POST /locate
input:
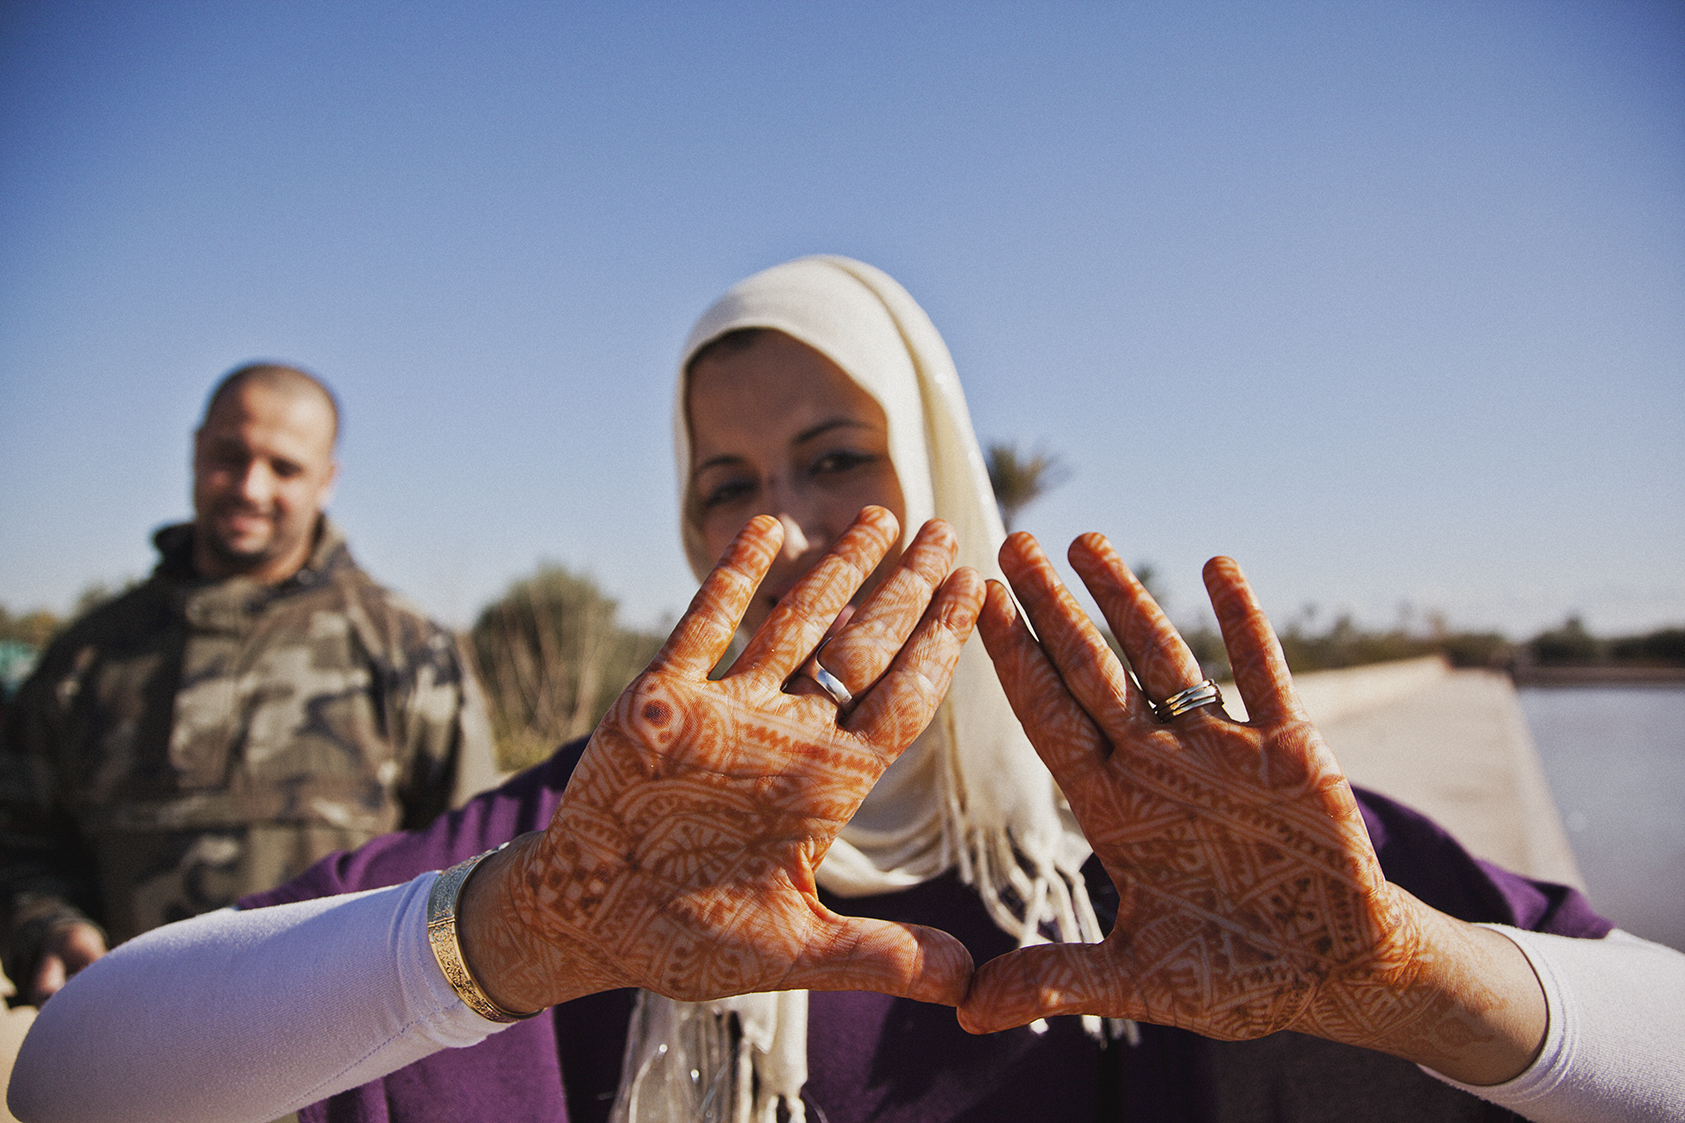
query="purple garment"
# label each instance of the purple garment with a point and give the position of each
(872, 1057)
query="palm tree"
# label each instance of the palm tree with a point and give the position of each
(1021, 480)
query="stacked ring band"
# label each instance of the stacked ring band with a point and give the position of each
(1202, 693)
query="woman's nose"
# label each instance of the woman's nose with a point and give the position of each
(796, 540)
(802, 519)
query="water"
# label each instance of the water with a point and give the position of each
(1615, 759)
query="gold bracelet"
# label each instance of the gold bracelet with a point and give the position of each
(441, 934)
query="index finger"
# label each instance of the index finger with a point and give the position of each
(1156, 650)
(1070, 744)
(1255, 655)
(1072, 642)
(703, 633)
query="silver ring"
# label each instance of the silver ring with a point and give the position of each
(830, 683)
(1202, 693)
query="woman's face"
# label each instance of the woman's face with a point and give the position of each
(779, 429)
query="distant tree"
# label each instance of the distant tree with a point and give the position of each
(1568, 645)
(1663, 648)
(552, 659)
(1476, 649)
(1020, 480)
(1206, 643)
(35, 628)
(1345, 644)
(97, 594)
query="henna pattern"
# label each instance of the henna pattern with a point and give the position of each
(681, 858)
(1251, 898)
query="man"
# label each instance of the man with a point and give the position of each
(257, 703)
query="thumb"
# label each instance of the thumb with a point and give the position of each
(1039, 982)
(905, 960)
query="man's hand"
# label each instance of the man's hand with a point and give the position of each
(66, 950)
(682, 856)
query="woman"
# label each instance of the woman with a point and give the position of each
(818, 385)
(806, 392)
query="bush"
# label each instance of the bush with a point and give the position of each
(1664, 648)
(552, 660)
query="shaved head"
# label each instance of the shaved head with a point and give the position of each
(278, 378)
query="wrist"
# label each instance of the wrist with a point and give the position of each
(502, 945)
(444, 940)
(1473, 1009)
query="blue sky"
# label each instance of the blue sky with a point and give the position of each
(1385, 300)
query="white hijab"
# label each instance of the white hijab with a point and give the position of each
(969, 795)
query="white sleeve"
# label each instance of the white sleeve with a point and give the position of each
(244, 1015)
(1615, 1047)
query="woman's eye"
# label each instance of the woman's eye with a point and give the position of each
(842, 460)
(731, 491)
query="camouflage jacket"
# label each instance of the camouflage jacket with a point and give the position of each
(196, 740)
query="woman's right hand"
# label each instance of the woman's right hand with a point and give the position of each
(1251, 900)
(682, 856)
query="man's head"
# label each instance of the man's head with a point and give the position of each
(263, 468)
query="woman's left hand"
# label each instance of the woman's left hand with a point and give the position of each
(1251, 900)
(682, 857)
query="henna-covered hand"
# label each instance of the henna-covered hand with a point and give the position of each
(682, 856)
(1251, 899)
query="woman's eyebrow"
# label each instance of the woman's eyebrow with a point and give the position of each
(720, 461)
(824, 427)
(727, 459)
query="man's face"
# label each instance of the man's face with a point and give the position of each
(263, 468)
